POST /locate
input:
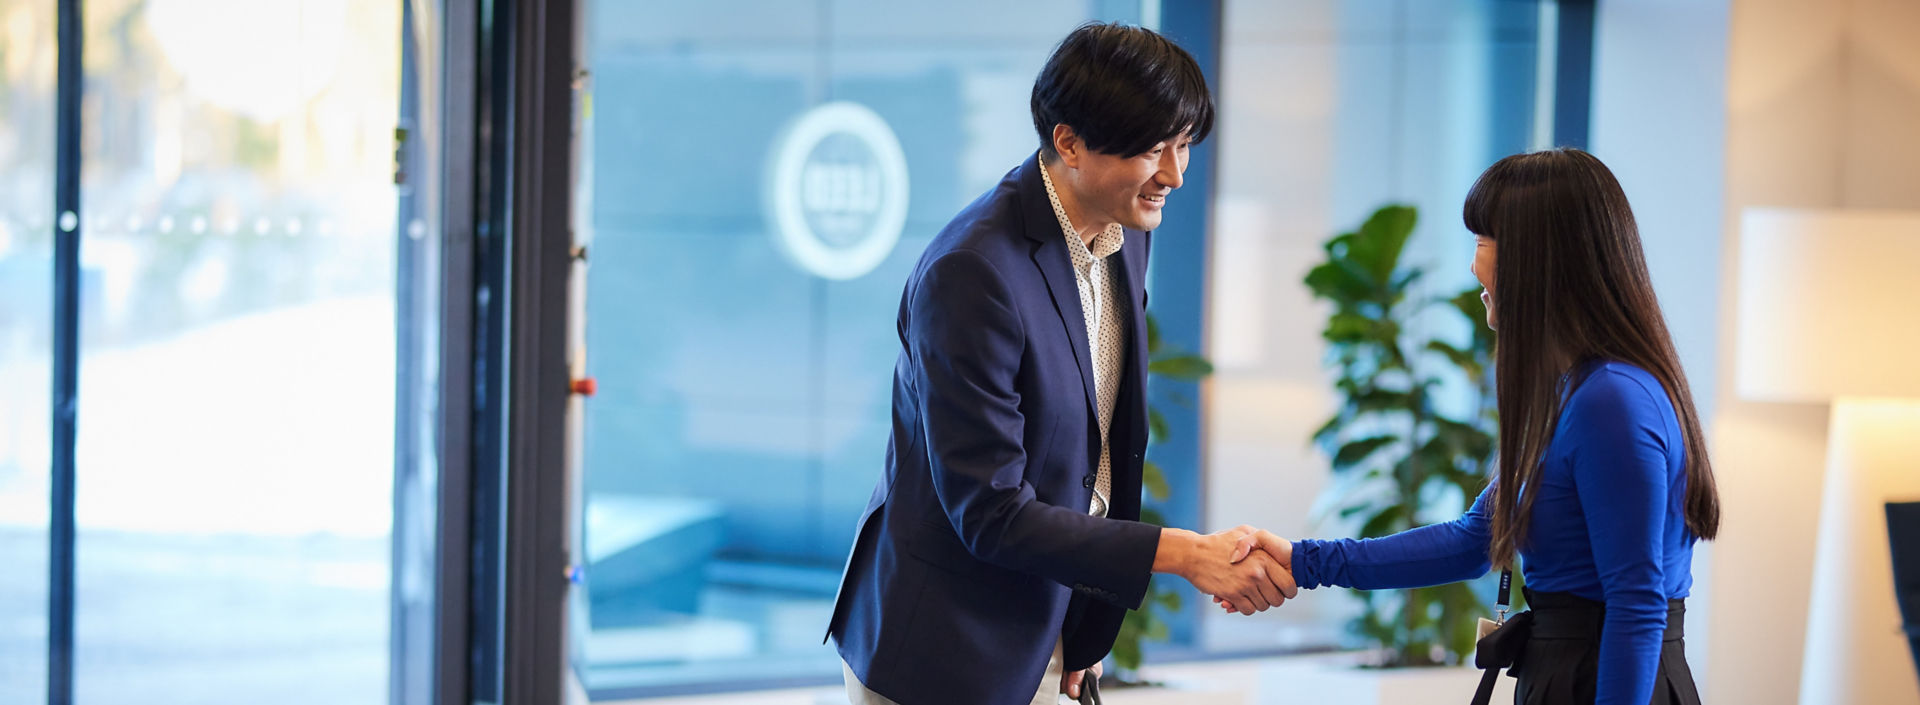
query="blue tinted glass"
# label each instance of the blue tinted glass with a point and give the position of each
(757, 179)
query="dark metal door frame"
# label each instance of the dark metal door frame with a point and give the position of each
(540, 242)
(511, 270)
(66, 354)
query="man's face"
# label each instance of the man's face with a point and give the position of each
(1132, 190)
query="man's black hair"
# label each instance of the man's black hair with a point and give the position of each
(1123, 89)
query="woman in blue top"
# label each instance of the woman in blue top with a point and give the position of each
(1604, 483)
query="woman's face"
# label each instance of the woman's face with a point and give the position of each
(1483, 264)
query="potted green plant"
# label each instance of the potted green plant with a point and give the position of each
(1397, 456)
(1392, 447)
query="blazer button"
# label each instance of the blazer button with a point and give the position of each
(1087, 482)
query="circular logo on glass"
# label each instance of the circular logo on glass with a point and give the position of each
(837, 190)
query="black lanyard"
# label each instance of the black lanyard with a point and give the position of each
(1506, 593)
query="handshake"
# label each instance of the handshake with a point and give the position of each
(1245, 570)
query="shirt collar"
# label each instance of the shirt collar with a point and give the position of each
(1105, 243)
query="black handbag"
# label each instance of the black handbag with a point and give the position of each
(1498, 650)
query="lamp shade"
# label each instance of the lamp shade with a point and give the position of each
(1829, 305)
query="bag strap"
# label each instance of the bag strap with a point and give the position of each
(1090, 691)
(1484, 694)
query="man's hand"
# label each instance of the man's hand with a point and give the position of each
(1070, 684)
(1251, 584)
(1260, 544)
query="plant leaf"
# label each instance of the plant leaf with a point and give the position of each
(1355, 451)
(1338, 284)
(1186, 368)
(1156, 425)
(1126, 646)
(1152, 516)
(1407, 278)
(1327, 431)
(1376, 400)
(1155, 482)
(1377, 293)
(1384, 523)
(1153, 335)
(1463, 440)
(1460, 358)
(1378, 244)
(1342, 493)
(1168, 599)
(1337, 245)
(1468, 303)
(1347, 327)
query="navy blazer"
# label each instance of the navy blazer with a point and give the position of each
(976, 551)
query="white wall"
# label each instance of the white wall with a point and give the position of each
(1814, 103)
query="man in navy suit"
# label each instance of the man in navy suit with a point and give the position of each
(1002, 545)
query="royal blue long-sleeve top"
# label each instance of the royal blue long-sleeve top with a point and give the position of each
(1608, 525)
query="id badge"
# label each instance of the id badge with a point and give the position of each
(1487, 626)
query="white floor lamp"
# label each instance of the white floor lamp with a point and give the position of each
(1830, 313)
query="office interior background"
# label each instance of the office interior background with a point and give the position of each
(497, 351)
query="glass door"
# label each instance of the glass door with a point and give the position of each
(236, 445)
(756, 180)
(27, 115)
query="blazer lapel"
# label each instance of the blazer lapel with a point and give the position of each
(1131, 417)
(1056, 267)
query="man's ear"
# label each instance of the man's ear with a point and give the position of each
(1069, 147)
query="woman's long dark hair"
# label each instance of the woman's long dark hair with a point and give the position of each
(1570, 286)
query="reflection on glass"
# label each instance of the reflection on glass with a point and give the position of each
(235, 453)
(27, 77)
(746, 169)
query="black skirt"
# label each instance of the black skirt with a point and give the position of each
(1560, 664)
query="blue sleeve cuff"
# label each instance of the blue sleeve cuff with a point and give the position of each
(1306, 563)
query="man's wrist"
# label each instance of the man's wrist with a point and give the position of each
(1176, 547)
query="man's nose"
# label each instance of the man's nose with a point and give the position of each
(1170, 170)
